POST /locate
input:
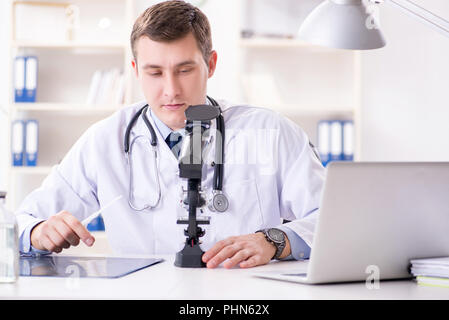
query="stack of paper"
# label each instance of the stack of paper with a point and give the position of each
(433, 271)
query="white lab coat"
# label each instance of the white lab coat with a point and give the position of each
(275, 176)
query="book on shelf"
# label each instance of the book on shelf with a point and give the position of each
(431, 271)
(107, 87)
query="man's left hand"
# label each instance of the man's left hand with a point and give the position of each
(248, 251)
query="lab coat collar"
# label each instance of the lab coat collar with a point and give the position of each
(162, 131)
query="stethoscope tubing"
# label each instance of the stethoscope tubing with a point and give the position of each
(219, 152)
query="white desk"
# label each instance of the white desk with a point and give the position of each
(165, 281)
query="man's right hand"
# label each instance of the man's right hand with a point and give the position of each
(60, 231)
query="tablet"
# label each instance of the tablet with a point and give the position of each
(83, 267)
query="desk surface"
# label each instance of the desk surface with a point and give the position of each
(165, 281)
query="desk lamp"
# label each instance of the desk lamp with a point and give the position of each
(351, 24)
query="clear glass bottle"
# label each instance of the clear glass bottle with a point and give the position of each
(9, 244)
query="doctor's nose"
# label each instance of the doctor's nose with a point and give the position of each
(172, 88)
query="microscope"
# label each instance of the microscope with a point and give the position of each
(198, 121)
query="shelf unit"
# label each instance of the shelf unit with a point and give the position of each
(277, 43)
(305, 82)
(40, 170)
(65, 69)
(66, 107)
(63, 45)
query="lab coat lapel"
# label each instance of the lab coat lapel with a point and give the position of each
(166, 235)
(162, 147)
(230, 133)
(167, 164)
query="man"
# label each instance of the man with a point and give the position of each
(173, 60)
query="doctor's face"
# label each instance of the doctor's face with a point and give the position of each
(173, 75)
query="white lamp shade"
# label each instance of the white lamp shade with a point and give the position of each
(342, 24)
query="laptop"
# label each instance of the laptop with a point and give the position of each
(374, 218)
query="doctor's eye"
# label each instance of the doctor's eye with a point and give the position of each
(155, 74)
(184, 71)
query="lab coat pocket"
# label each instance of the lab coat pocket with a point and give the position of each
(244, 214)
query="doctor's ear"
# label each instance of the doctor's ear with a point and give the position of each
(134, 65)
(212, 63)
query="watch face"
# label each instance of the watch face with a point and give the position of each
(276, 235)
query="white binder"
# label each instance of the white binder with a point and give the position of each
(17, 142)
(348, 140)
(336, 140)
(19, 79)
(324, 141)
(31, 142)
(30, 79)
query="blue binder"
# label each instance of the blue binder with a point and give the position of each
(19, 79)
(31, 142)
(348, 140)
(324, 141)
(17, 142)
(30, 78)
(336, 141)
(25, 78)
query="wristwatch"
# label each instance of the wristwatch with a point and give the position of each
(276, 237)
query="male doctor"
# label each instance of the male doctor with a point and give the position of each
(271, 172)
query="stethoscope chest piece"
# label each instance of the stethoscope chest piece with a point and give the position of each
(219, 202)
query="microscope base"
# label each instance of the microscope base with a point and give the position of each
(190, 257)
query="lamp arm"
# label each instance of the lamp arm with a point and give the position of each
(412, 9)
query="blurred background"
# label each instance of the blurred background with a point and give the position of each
(388, 104)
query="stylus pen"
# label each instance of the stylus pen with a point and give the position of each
(89, 219)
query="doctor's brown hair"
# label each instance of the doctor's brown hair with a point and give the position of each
(172, 20)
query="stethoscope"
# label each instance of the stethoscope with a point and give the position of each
(219, 201)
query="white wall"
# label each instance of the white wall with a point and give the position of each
(405, 99)
(224, 18)
(4, 66)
